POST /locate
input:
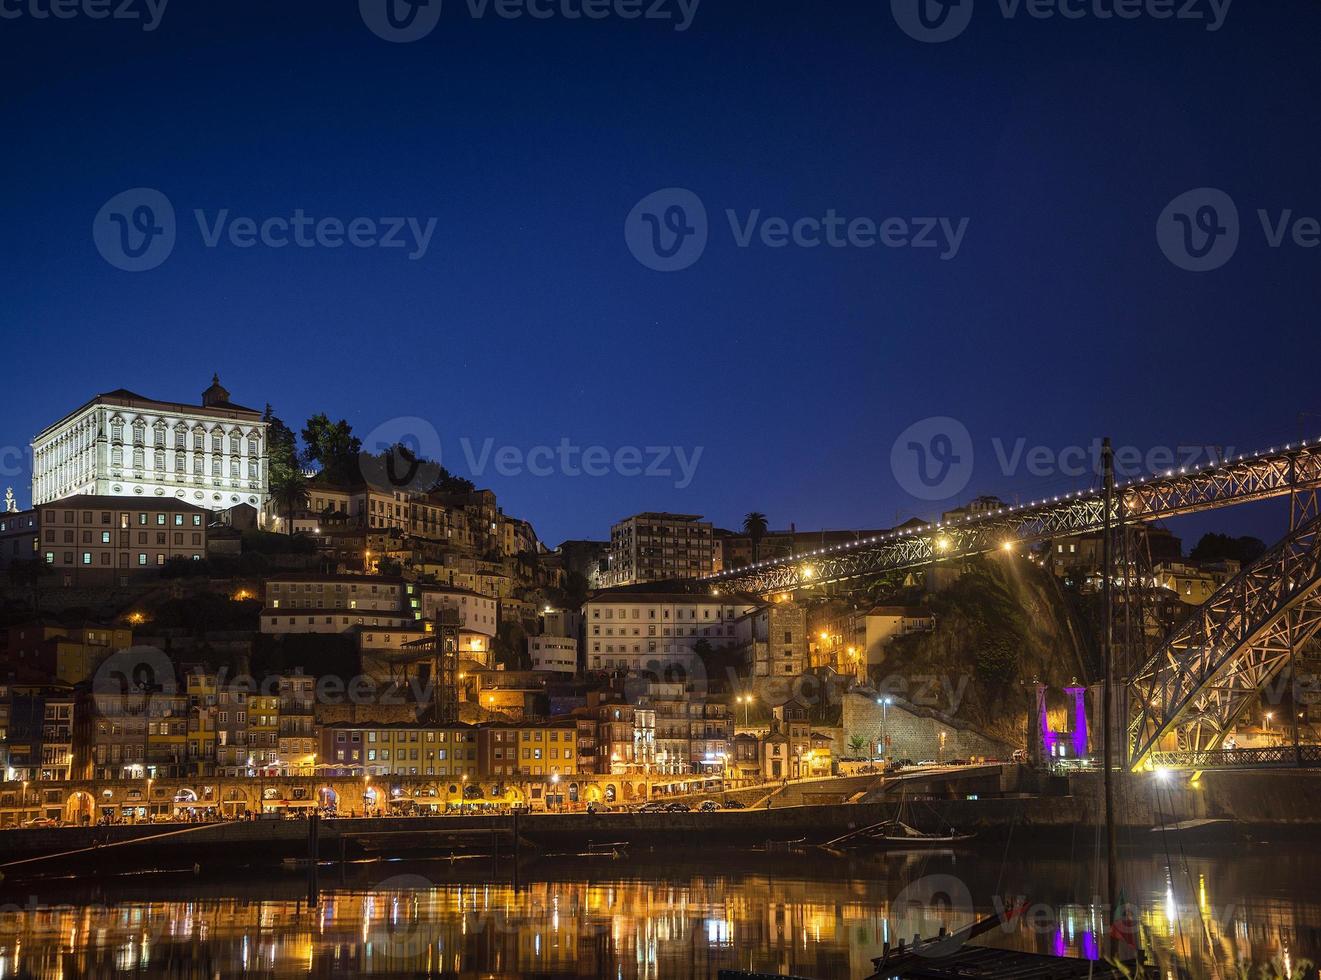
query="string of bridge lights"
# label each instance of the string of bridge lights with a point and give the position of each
(943, 543)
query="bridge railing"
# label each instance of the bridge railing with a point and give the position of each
(1272, 757)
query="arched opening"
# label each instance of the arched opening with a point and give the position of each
(610, 792)
(573, 792)
(327, 799)
(78, 809)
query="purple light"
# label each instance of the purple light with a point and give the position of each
(1079, 720)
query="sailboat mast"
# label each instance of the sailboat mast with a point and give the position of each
(1107, 649)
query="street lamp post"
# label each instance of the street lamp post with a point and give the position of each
(885, 725)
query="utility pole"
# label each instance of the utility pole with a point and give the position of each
(1107, 649)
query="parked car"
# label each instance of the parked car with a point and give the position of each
(709, 806)
(678, 808)
(656, 806)
(41, 822)
(733, 805)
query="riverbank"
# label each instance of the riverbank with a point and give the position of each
(1224, 807)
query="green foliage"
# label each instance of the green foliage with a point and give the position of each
(290, 492)
(1215, 547)
(980, 599)
(755, 526)
(282, 445)
(332, 445)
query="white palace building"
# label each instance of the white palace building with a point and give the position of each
(122, 444)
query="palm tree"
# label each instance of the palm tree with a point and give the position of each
(857, 743)
(289, 491)
(754, 526)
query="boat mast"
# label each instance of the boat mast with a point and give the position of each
(1107, 649)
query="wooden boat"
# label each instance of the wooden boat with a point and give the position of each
(896, 834)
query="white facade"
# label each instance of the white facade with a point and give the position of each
(477, 613)
(557, 653)
(120, 444)
(629, 631)
(337, 603)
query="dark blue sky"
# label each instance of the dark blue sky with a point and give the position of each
(528, 321)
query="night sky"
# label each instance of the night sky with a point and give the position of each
(528, 321)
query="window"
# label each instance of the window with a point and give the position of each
(142, 559)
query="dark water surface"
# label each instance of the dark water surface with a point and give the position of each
(653, 914)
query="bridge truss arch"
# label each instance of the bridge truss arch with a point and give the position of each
(1187, 696)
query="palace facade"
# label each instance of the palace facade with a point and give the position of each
(212, 455)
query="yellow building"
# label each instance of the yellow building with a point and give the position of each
(537, 750)
(67, 653)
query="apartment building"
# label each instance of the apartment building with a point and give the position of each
(124, 445)
(303, 603)
(99, 539)
(36, 732)
(656, 547)
(536, 750)
(632, 630)
(20, 536)
(135, 735)
(66, 653)
(779, 639)
(849, 642)
(553, 653)
(402, 749)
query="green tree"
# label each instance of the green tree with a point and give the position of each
(857, 743)
(332, 445)
(1215, 547)
(290, 493)
(754, 526)
(281, 443)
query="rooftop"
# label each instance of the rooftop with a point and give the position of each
(123, 398)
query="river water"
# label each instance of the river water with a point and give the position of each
(658, 914)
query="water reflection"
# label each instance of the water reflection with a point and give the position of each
(650, 915)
